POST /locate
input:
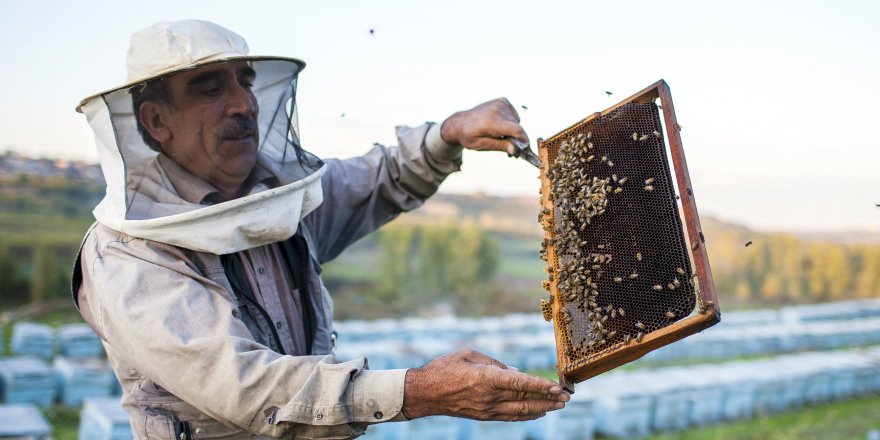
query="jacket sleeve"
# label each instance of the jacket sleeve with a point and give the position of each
(363, 193)
(161, 316)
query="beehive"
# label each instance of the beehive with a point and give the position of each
(625, 270)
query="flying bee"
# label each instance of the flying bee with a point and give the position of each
(657, 287)
(670, 315)
(649, 188)
(649, 181)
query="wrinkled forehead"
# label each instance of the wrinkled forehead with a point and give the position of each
(227, 71)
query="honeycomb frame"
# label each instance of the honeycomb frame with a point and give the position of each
(626, 274)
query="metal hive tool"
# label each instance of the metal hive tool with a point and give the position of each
(626, 276)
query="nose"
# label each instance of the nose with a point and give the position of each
(241, 101)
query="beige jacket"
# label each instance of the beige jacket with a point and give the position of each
(188, 360)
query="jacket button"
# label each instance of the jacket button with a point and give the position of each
(319, 416)
(378, 415)
(262, 270)
(278, 325)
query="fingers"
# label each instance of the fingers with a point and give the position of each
(515, 381)
(525, 410)
(508, 395)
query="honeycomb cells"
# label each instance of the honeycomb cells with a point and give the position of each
(620, 258)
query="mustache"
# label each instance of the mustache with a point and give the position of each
(240, 126)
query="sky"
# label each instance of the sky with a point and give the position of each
(778, 100)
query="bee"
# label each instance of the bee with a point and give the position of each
(680, 271)
(639, 256)
(639, 325)
(670, 286)
(604, 318)
(590, 157)
(614, 177)
(635, 136)
(572, 296)
(656, 133)
(610, 163)
(604, 158)
(657, 287)
(621, 312)
(589, 134)
(611, 334)
(547, 309)
(633, 276)
(670, 315)
(613, 313)
(649, 181)
(649, 188)
(643, 137)
(618, 279)
(639, 337)
(676, 282)
(590, 145)
(626, 339)
(623, 180)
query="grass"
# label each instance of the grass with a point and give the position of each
(851, 419)
(64, 421)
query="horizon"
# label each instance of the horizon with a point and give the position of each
(774, 98)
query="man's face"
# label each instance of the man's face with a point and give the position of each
(212, 124)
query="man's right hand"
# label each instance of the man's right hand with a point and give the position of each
(472, 385)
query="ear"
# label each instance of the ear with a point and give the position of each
(152, 118)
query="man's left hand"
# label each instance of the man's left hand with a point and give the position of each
(485, 127)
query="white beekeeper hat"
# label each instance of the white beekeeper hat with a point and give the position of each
(166, 48)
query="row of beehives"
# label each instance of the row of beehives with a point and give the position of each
(72, 340)
(30, 379)
(537, 351)
(452, 328)
(630, 404)
(102, 418)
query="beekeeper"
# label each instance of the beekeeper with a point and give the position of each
(202, 273)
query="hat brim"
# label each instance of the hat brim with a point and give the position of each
(300, 65)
